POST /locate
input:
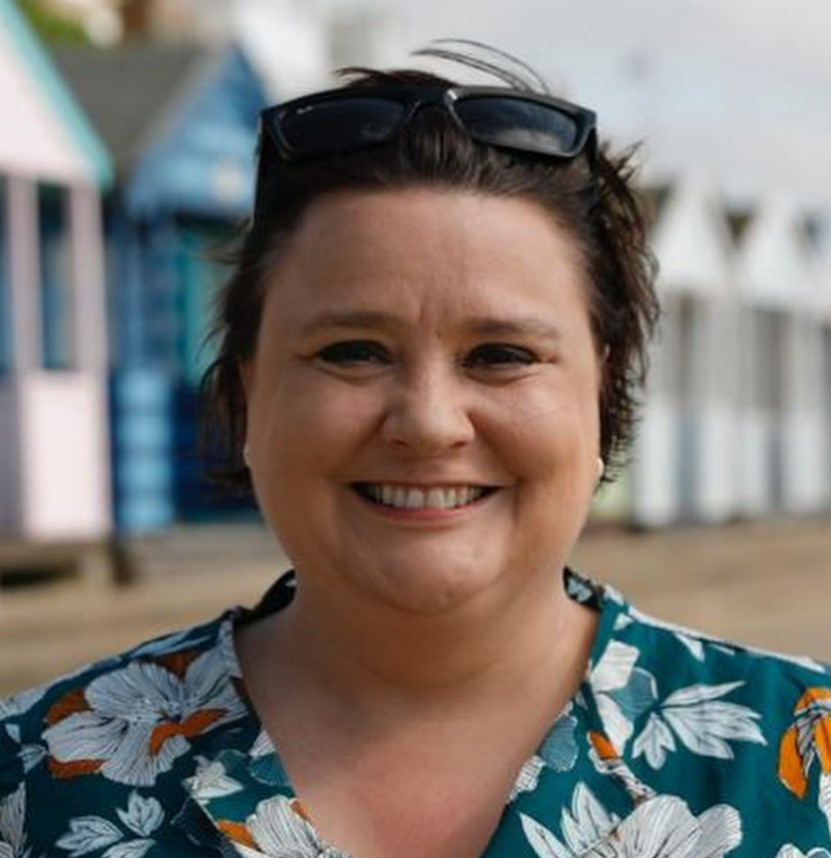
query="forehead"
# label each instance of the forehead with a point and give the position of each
(400, 250)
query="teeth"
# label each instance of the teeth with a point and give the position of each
(415, 499)
(436, 498)
(403, 497)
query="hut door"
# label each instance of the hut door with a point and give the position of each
(770, 358)
(686, 389)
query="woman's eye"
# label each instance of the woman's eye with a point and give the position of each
(356, 352)
(499, 355)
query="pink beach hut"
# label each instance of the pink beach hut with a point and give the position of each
(54, 472)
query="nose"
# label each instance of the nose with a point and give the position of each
(428, 413)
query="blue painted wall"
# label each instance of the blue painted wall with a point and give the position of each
(202, 162)
(190, 187)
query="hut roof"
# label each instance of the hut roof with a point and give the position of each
(43, 130)
(777, 265)
(128, 90)
(691, 240)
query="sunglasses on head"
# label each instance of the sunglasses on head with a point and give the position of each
(345, 120)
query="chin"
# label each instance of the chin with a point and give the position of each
(430, 588)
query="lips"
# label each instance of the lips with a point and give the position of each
(422, 497)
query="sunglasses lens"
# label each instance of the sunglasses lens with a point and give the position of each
(519, 124)
(340, 124)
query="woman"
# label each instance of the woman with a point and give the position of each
(428, 355)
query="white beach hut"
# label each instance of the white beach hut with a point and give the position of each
(784, 464)
(684, 456)
(54, 476)
(825, 316)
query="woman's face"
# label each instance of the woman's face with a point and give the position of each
(423, 399)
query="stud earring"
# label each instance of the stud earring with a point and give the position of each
(601, 469)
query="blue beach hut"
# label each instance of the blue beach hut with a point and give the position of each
(180, 123)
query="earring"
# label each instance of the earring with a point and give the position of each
(246, 456)
(601, 469)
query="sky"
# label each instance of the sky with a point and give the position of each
(736, 91)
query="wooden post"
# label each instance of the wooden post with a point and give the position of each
(24, 275)
(89, 320)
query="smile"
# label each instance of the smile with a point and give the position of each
(426, 497)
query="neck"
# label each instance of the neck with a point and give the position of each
(376, 660)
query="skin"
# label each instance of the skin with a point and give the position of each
(420, 337)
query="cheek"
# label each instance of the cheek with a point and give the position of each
(309, 425)
(550, 427)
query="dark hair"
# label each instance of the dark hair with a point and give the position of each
(597, 206)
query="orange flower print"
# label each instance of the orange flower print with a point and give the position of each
(807, 740)
(133, 723)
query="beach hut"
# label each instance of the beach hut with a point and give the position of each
(784, 456)
(54, 471)
(823, 301)
(180, 124)
(683, 463)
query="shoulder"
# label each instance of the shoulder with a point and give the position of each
(116, 732)
(35, 710)
(715, 720)
(681, 655)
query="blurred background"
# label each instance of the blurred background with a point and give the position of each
(127, 132)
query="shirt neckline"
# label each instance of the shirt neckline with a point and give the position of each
(582, 706)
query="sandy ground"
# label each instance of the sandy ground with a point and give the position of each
(767, 584)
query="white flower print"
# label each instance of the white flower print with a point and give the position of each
(622, 691)
(134, 723)
(20, 703)
(262, 745)
(612, 673)
(664, 827)
(661, 827)
(791, 851)
(824, 797)
(12, 824)
(559, 749)
(211, 781)
(87, 834)
(583, 825)
(143, 815)
(702, 722)
(528, 777)
(279, 829)
(30, 755)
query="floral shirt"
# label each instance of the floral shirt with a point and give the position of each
(676, 745)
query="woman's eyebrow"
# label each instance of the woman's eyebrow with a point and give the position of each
(497, 326)
(351, 319)
(490, 326)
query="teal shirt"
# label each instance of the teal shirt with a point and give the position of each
(676, 745)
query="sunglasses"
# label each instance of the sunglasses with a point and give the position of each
(340, 121)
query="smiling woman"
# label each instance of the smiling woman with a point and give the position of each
(430, 350)
(381, 387)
